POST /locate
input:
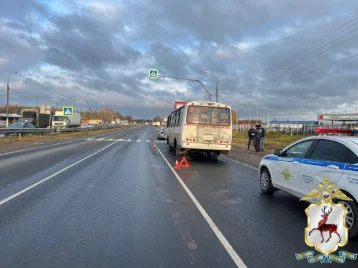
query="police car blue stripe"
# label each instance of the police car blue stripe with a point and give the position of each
(311, 162)
(271, 157)
(321, 163)
(351, 167)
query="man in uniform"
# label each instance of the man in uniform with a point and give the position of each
(262, 138)
(251, 134)
(258, 133)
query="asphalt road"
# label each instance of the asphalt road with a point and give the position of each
(116, 203)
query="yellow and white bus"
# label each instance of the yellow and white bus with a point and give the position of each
(200, 126)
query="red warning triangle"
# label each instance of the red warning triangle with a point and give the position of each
(184, 163)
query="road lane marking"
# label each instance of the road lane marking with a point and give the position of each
(120, 140)
(138, 140)
(238, 261)
(33, 148)
(89, 139)
(109, 139)
(99, 139)
(65, 142)
(241, 163)
(147, 140)
(129, 140)
(53, 175)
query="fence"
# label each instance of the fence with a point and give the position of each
(290, 129)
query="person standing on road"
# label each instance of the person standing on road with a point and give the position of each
(257, 138)
(251, 134)
(262, 138)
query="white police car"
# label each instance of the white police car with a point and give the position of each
(298, 168)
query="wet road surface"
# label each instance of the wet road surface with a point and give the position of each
(116, 203)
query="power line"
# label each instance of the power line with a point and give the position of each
(315, 70)
(310, 47)
(320, 40)
(308, 59)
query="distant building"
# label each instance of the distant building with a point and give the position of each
(12, 118)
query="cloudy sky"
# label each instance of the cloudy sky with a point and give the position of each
(94, 53)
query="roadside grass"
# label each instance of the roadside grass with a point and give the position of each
(273, 140)
(61, 136)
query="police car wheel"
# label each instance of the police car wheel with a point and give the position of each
(351, 218)
(265, 182)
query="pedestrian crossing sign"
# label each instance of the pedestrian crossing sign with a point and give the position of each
(153, 74)
(67, 110)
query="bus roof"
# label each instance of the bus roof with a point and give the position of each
(210, 103)
(201, 102)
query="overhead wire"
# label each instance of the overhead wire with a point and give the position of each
(308, 59)
(320, 40)
(242, 83)
(315, 70)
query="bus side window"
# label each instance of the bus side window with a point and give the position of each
(178, 115)
(168, 121)
(181, 116)
(173, 119)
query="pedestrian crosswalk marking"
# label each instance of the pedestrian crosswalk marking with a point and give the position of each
(125, 140)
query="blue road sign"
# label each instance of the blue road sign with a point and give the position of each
(153, 73)
(67, 110)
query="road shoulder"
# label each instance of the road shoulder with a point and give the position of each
(248, 157)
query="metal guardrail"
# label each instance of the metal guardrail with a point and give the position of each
(53, 131)
(25, 130)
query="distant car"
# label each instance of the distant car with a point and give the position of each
(19, 125)
(162, 135)
(298, 168)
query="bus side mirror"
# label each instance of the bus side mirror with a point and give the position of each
(277, 152)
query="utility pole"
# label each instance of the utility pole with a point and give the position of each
(237, 121)
(7, 99)
(268, 119)
(249, 111)
(357, 98)
(257, 113)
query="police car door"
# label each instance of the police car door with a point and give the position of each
(325, 161)
(287, 167)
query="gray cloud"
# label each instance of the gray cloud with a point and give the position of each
(99, 53)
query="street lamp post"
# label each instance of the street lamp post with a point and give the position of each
(188, 79)
(7, 99)
(217, 85)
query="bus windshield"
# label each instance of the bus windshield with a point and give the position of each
(208, 115)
